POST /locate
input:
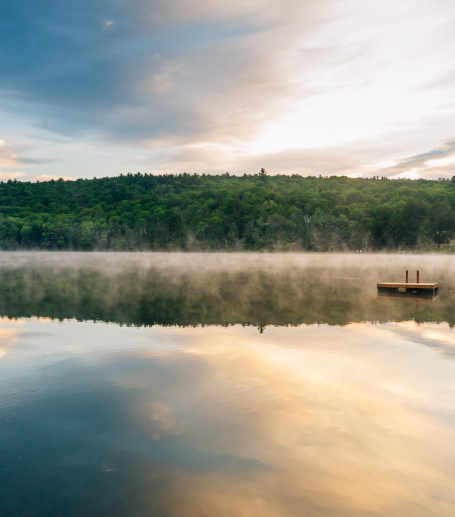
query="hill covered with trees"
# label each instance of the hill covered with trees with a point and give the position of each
(252, 212)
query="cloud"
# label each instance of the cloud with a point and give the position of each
(436, 163)
(8, 157)
(48, 177)
(140, 71)
(5, 175)
(358, 159)
(306, 162)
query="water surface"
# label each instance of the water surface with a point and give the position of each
(224, 385)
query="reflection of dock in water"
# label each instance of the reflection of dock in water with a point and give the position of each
(418, 290)
(424, 298)
(406, 298)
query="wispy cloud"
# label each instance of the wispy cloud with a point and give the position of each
(7, 156)
(436, 163)
(10, 175)
(12, 158)
(48, 177)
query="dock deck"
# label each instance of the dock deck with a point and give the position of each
(408, 285)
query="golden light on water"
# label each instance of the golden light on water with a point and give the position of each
(315, 419)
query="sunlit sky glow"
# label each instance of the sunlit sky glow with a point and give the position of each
(103, 87)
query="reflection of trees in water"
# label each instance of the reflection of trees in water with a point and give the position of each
(165, 295)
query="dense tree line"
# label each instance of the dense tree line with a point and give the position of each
(252, 212)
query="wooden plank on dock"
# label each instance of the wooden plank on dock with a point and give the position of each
(409, 285)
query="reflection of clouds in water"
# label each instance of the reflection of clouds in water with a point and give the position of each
(438, 336)
(8, 334)
(314, 420)
(336, 427)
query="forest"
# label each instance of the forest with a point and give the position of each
(254, 212)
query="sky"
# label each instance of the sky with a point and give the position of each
(98, 88)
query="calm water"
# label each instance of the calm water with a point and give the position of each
(225, 385)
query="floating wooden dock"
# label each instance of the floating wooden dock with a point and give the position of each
(409, 287)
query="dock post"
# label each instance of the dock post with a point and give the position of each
(417, 276)
(407, 276)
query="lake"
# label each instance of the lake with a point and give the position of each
(268, 385)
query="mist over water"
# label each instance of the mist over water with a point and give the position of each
(220, 289)
(225, 384)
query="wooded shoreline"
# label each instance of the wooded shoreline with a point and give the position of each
(222, 212)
